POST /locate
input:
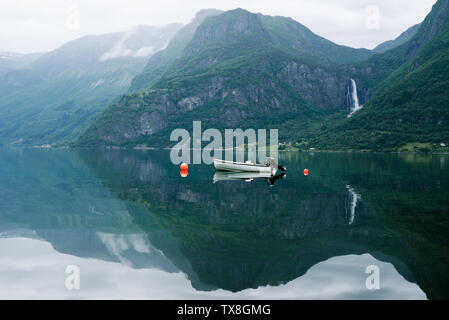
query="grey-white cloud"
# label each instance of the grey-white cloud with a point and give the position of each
(120, 49)
(28, 25)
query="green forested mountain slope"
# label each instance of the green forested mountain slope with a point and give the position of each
(57, 96)
(10, 61)
(403, 38)
(160, 61)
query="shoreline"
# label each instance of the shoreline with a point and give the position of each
(46, 147)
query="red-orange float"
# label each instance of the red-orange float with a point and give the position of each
(184, 170)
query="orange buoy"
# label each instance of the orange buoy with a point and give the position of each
(184, 170)
(306, 172)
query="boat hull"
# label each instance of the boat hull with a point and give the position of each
(223, 165)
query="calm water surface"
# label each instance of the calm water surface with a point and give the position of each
(137, 229)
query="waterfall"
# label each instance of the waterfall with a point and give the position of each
(353, 198)
(354, 105)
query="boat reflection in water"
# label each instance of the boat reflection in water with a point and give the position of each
(248, 176)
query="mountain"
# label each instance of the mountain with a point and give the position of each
(54, 98)
(410, 109)
(239, 69)
(11, 60)
(159, 62)
(403, 38)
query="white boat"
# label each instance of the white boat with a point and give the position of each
(223, 165)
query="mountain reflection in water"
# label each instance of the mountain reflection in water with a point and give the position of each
(122, 214)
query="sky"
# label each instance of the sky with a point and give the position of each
(37, 26)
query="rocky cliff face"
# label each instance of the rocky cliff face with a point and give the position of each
(274, 95)
(317, 86)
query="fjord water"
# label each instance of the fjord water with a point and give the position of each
(137, 229)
